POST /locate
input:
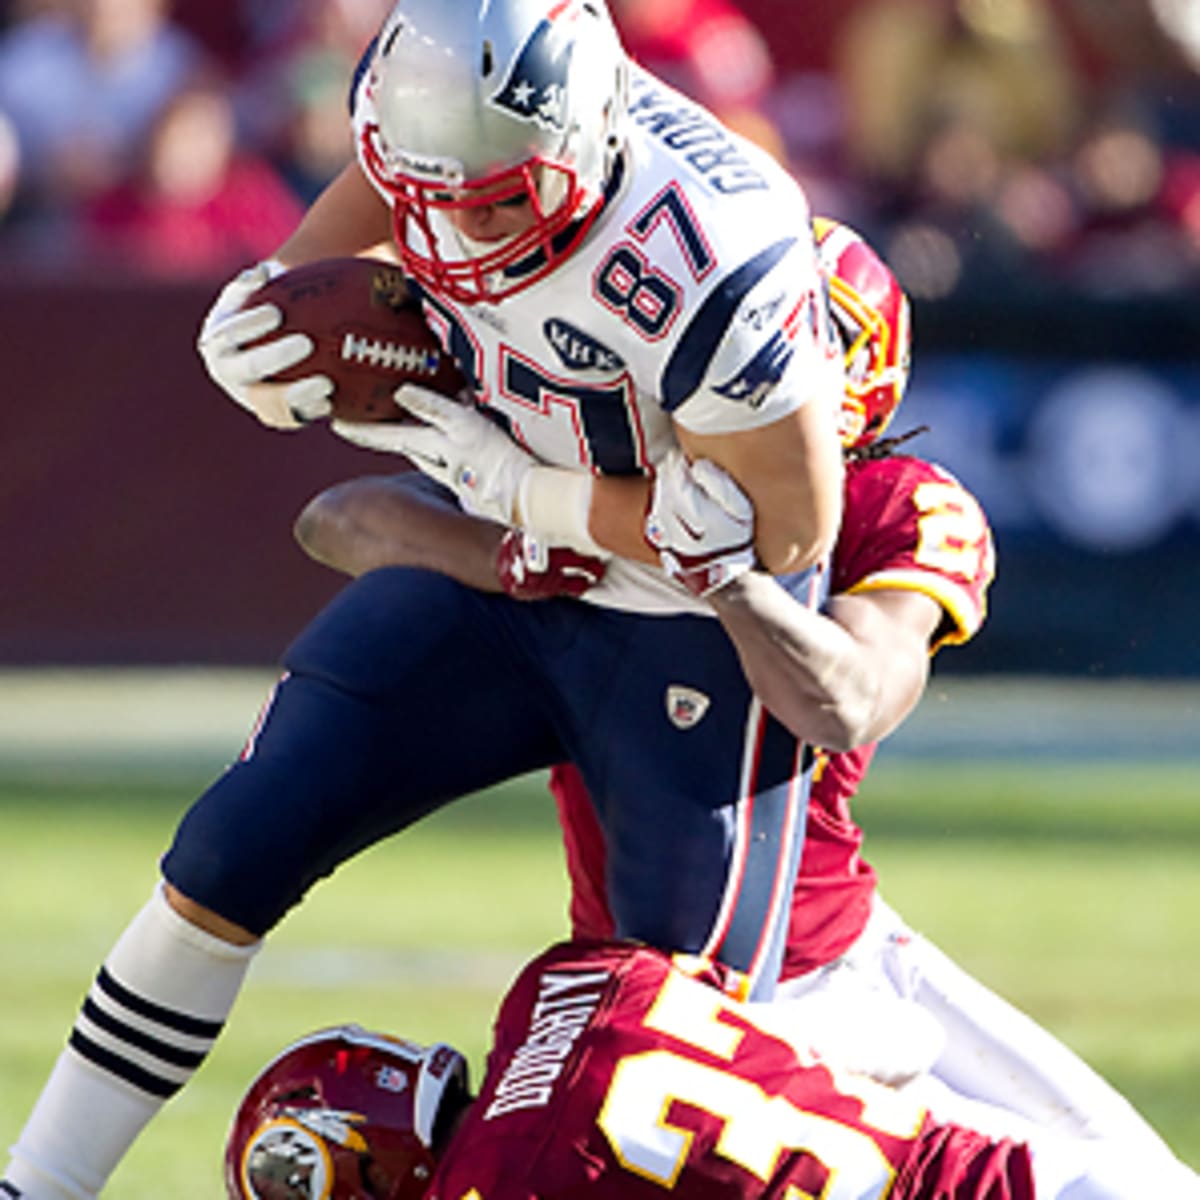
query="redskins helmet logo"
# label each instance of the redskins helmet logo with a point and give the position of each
(284, 1161)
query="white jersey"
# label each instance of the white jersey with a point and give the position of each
(695, 299)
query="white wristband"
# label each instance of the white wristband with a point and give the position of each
(555, 504)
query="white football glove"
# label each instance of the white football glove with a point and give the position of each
(453, 444)
(701, 523)
(243, 372)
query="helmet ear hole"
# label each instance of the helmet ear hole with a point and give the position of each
(488, 59)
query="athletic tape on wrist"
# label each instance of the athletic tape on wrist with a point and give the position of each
(555, 504)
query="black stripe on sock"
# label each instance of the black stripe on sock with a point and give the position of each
(10, 1190)
(115, 1065)
(181, 1022)
(142, 1041)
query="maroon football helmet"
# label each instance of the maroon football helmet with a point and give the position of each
(871, 314)
(344, 1114)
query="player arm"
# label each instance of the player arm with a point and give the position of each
(387, 521)
(752, 385)
(348, 218)
(616, 515)
(791, 469)
(840, 678)
(759, 396)
(409, 521)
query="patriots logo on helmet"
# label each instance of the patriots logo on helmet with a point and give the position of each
(536, 86)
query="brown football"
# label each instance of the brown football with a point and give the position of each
(369, 334)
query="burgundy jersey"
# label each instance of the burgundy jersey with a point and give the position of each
(907, 525)
(618, 1074)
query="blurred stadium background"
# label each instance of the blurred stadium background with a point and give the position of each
(1030, 168)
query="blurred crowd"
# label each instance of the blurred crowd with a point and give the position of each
(986, 146)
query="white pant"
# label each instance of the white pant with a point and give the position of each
(894, 1006)
(1067, 1167)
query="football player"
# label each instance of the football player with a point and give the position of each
(617, 275)
(626, 284)
(909, 574)
(619, 1073)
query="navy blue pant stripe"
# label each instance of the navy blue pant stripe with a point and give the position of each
(171, 1018)
(115, 1065)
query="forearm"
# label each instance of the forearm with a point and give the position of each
(382, 521)
(592, 514)
(808, 670)
(616, 520)
(346, 219)
(617, 517)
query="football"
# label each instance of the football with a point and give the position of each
(369, 334)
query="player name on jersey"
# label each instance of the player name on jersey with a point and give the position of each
(564, 1007)
(690, 131)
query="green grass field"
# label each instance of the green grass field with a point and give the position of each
(1072, 889)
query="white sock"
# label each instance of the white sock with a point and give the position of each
(156, 1008)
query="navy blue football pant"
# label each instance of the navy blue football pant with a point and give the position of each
(410, 690)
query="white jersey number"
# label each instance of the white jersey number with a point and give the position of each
(757, 1128)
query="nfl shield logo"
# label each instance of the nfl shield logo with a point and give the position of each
(685, 706)
(390, 1079)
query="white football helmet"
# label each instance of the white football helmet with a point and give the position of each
(506, 102)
